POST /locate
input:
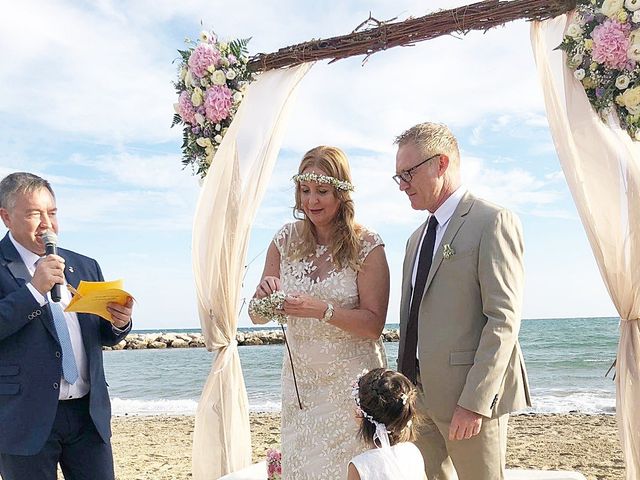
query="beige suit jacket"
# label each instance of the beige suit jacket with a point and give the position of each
(470, 313)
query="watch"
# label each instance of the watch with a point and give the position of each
(328, 313)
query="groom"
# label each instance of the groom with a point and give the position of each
(460, 311)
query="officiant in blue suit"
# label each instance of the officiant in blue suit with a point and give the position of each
(54, 404)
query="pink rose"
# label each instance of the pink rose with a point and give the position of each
(202, 57)
(217, 103)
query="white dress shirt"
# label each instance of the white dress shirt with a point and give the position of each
(443, 214)
(82, 385)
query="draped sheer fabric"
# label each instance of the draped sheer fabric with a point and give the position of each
(229, 199)
(602, 167)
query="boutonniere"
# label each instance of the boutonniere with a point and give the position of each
(447, 251)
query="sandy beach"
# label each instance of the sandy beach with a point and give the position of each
(159, 447)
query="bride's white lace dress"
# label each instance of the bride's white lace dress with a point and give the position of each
(319, 440)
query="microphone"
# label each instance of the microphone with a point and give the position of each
(50, 240)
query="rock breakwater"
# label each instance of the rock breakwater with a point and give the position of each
(159, 340)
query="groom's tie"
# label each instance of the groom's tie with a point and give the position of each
(411, 333)
(69, 367)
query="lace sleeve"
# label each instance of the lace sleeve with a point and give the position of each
(370, 240)
(282, 237)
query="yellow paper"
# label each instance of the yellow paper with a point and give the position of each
(93, 297)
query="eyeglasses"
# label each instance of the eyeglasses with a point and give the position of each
(407, 175)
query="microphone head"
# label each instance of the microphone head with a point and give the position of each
(49, 237)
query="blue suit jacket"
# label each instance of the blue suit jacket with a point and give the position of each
(30, 360)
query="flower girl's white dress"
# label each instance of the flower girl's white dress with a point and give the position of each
(401, 461)
(319, 440)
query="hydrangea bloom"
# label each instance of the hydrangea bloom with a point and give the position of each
(610, 44)
(217, 103)
(186, 110)
(203, 56)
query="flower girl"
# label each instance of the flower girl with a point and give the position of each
(385, 403)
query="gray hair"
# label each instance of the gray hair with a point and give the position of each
(18, 183)
(431, 139)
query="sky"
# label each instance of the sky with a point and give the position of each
(86, 101)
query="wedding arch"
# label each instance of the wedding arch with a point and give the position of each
(600, 162)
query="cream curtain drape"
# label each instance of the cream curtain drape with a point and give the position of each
(228, 202)
(602, 167)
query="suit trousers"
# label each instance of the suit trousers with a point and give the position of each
(74, 442)
(481, 457)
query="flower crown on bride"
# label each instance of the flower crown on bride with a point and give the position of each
(314, 177)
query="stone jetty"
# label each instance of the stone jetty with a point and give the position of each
(150, 341)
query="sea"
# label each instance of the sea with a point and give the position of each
(566, 359)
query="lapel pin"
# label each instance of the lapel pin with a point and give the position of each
(71, 269)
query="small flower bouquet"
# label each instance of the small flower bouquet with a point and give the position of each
(603, 50)
(212, 80)
(269, 306)
(274, 464)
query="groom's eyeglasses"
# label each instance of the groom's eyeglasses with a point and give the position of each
(407, 175)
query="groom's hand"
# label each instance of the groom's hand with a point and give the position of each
(464, 424)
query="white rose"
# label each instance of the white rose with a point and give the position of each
(579, 74)
(196, 97)
(218, 138)
(577, 59)
(610, 8)
(231, 74)
(218, 78)
(622, 82)
(203, 141)
(632, 5)
(636, 17)
(237, 97)
(218, 127)
(224, 62)
(574, 31)
(199, 118)
(633, 52)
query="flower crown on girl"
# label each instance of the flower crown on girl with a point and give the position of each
(381, 433)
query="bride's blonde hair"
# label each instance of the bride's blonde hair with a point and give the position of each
(345, 241)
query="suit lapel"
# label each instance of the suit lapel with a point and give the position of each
(14, 262)
(457, 219)
(20, 272)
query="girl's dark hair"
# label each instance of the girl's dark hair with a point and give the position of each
(382, 393)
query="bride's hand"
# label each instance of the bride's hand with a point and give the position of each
(267, 286)
(302, 305)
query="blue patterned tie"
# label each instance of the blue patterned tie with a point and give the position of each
(69, 368)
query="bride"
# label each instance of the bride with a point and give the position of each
(336, 279)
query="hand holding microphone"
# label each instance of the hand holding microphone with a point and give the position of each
(49, 274)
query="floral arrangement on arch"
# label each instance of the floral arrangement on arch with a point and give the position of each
(603, 49)
(212, 81)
